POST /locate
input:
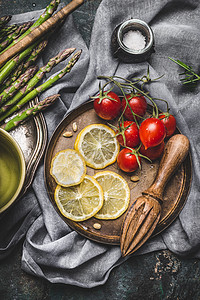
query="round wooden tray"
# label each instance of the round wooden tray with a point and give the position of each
(176, 190)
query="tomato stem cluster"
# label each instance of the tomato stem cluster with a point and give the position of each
(123, 85)
(130, 132)
(102, 94)
(128, 84)
(137, 154)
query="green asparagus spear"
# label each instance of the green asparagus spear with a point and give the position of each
(19, 83)
(4, 20)
(43, 17)
(24, 65)
(38, 76)
(14, 62)
(26, 114)
(11, 37)
(5, 31)
(9, 29)
(43, 86)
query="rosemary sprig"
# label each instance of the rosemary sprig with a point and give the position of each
(190, 76)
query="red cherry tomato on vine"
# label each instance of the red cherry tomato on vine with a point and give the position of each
(127, 160)
(153, 153)
(107, 105)
(130, 132)
(169, 121)
(137, 103)
(152, 132)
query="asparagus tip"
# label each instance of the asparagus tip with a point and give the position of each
(49, 100)
(77, 55)
(67, 51)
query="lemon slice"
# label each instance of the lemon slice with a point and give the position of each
(68, 167)
(98, 145)
(80, 202)
(116, 195)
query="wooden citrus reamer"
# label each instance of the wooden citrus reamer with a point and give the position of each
(144, 214)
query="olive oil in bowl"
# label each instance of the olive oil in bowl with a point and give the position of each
(12, 170)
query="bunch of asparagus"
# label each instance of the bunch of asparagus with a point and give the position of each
(20, 77)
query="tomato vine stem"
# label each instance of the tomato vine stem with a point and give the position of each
(133, 85)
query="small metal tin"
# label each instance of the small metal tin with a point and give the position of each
(126, 54)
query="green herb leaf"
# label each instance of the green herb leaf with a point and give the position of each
(190, 76)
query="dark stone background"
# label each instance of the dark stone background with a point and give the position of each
(158, 275)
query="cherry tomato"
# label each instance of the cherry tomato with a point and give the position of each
(107, 105)
(153, 153)
(169, 121)
(127, 160)
(152, 132)
(137, 103)
(130, 132)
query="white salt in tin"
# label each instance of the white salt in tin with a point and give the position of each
(132, 41)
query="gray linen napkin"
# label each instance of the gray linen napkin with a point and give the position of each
(51, 249)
